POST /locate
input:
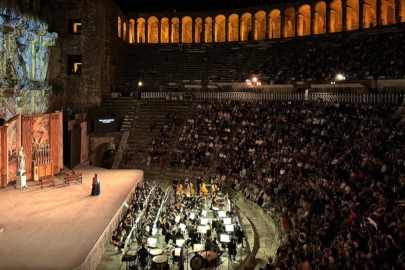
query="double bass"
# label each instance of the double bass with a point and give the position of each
(203, 190)
(192, 191)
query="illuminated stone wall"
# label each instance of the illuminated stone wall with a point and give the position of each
(24, 61)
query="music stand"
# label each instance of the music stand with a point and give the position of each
(224, 238)
(154, 231)
(204, 213)
(177, 219)
(202, 229)
(221, 214)
(151, 242)
(227, 220)
(177, 252)
(198, 247)
(182, 227)
(204, 221)
(229, 228)
(180, 242)
(192, 216)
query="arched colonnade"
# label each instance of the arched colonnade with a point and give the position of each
(319, 18)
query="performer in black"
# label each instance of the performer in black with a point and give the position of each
(199, 182)
(143, 255)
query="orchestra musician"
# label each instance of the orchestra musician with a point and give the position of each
(143, 256)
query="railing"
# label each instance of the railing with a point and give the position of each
(329, 97)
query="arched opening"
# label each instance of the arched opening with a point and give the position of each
(260, 25)
(369, 13)
(233, 26)
(164, 32)
(131, 31)
(140, 30)
(187, 29)
(124, 32)
(304, 23)
(246, 26)
(388, 12)
(153, 30)
(119, 27)
(220, 28)
(352, 15)
(103, 155)
(175, 30)
(198, 30)
(208, 29)
(335, 16)
(274, 24)
(320, 18)
(289, 22)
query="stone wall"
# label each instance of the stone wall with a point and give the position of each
(101, 50)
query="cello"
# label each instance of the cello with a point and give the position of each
(203, 190)
(192, 191)
(180, 189)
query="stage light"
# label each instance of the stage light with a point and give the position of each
(229, 228)
(222, 214)
(227, 221)
(180, 242)
(140, 83)
(224, 238)
(340, 77)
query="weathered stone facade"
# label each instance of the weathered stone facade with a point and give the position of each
(100, 49)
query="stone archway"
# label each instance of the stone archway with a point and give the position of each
(140, 29)
(233, 26)
(369, 13)
(198, 30)
(402, 11)
(220, 28)
(102, 155)
(175, 30)
(131, 31)
(289, 22)
(304, 23)
(119, 27)
(208, 29)
(153, 30)
(187, 30)
(320, 18)
(260, 26)
(388, 12)
(246, 26)
(274, 24)
(335, 16)
(164, 32)
(352, 15)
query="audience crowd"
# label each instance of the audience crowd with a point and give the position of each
(333, 174)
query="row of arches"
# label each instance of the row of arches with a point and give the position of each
(304, 20)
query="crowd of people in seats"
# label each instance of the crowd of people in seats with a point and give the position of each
(332, 173)
(356, 56)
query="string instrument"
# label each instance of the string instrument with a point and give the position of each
(192, 191)
(214, 189)
(180, 189)
(203, 190)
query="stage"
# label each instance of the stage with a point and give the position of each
(63, 227)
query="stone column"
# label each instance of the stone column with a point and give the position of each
(226, 29)
(180, 31)
(253, 28)
(379, 13)
(297, 22)
(192, 30)
(213, 30)
(327, 18)
(159, 31)
(361, 14)
(135, 32)
(282, 23)
(203, 31)
(313, 21)
(344, 15)
(170, 31)
(146, 32)
(398, 11)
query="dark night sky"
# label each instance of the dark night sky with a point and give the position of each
(188, 5)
